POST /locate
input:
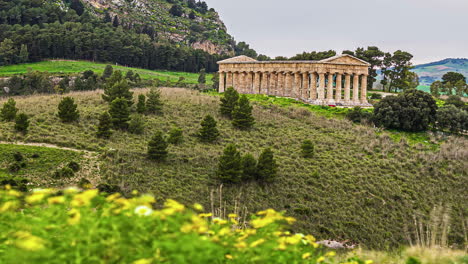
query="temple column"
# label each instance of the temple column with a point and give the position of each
(249, 83)
(364, 89)
(229, 80)
(297, 85)
(280, 84)
(339, 85)
(313, 86)
(221, 82)
(347, 90)
(235, 81)
(356, 89)
(330, 88)
(321, 88)
(305, 85)
(273, 83)
(287, 84)
(256, 83)
(264, 88)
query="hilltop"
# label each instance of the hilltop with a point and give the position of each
(362, 185)
(431, 72)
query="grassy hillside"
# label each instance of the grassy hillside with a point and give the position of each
(70, 66)
(430, 72)
(361, 185)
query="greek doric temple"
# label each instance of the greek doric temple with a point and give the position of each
(339, 80)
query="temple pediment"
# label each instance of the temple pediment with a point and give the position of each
(345, 59)
(241, 58)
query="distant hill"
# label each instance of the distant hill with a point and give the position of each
(431, 72)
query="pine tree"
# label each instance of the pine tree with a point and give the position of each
(22, 122)
(249, 167)
(202, 77)
(116, 22)
(137, 125)
(215, 80)
(208, 131)
(67, 110)
(120, 113)
(176, 136)
(230, 165)
(129, 75)
(141, 105)
(266, 166)
(104, 126)
(157, 147)
(307, 149)
(107, 17)
(229, 101)
(9, 110)
(242, 116)
(120, 89)
(107, 72)
(154, 103)
(24, 54)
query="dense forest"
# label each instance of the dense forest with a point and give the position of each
(36, 30)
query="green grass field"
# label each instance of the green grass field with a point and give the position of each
(71, 67)
(362, 185)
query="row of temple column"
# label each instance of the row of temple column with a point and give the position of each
(320, 88)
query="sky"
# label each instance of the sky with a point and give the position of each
(431, 30)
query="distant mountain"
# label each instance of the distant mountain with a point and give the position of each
(431, 72)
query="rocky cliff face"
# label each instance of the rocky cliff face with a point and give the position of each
(194, 28)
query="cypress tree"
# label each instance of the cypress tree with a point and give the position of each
(67, 110)
(229, 101)
(242, 116)
(120, 89)
(157, 147)
(24, 54)
(266, 166)
(104, 126)
(230, 165)
(107, 72)
(22, 122)
(154, 103)
(9, 110)
(208, 131)
(307, 149)
(249, 167)
(120, 113)
(141, 105)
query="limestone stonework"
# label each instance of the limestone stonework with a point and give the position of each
(339, 80)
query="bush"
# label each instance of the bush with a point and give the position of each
(74, 166)
(358, 115)
(85, 184)
(109, 188)
(452, 118)
(14, 167)
(307, 149)
(67, 110)
(375, 96)
(18, 183)
(412, 110)
(230, 165)
(208, 131)
(157, 147)
(176, 136)
(455, 101)
(137, 125)
(104, 126)
(266, 166)
(9, 110)
(17, 156)
(228, 102)
(64, 172)
(22, 123)
(242, 116)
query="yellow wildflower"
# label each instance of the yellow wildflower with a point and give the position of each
(321, 259)
(257, 242)
(219, 221)
(10, 205)
(112, 197)
(198, 207)
(27, 241)
(146, 199)
(228, 256)
(71, 190)
(368, 262)
(293, 240)
(134, 192)
(241, 244)
(269, 216)
(84, 198)
(35, 198)
(14, 193)
(224, 231)
(56, 200)
(172, 207)
(232, 215)
(143, 261)
(306, 255)
(8, 187)
(330, 254)
(205, 215)
(143, 210)
(74, 216)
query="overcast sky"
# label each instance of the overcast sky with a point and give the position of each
(429, 29)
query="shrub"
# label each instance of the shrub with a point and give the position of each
(176, 136)
(229, 101)
(104, 126)
(85, 183)
(141, 105)
(74, 166)
(109, 188)
(455, 101)
(412, 110)
(16, 182)
(242, 116)
(137, 125)
(17, 156)
(22, 123)
(230, 165)
(154, 103)
(376, 96)
(357, 115)
(249, 167)
(9, 110)
(452, 118)
(107, 72)
(208, 131)
(266, 166)
(64, 172)
(14, 167)
(67, 110)
(157, 147)
(120, 113)
(307, 149)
